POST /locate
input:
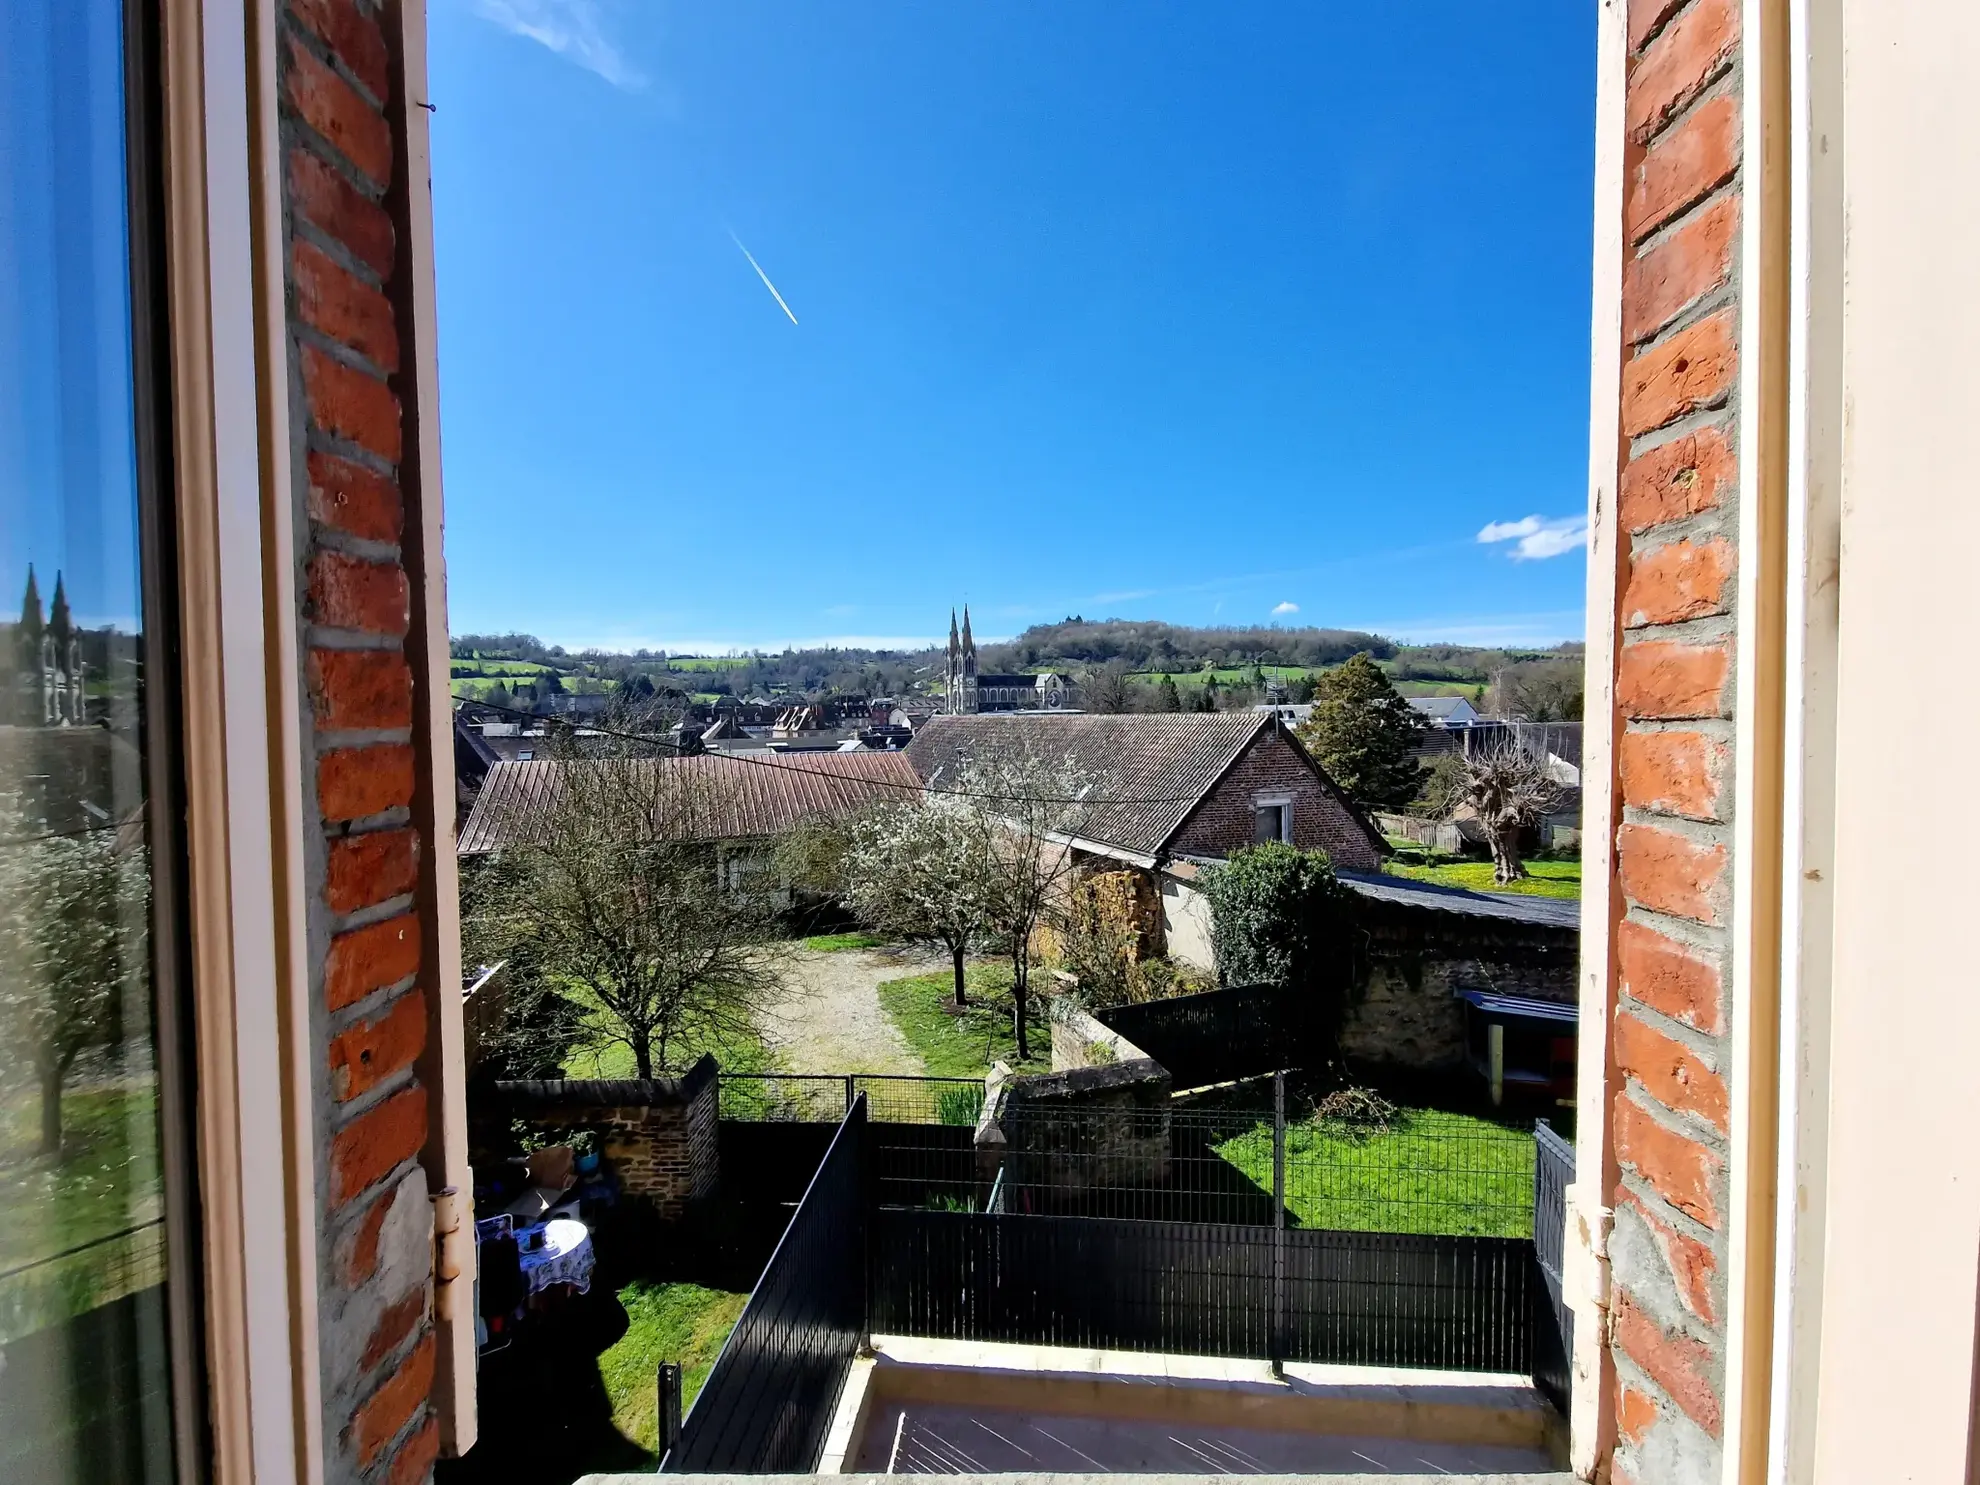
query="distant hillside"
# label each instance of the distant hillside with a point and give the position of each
(520, 669)
(1149, 645)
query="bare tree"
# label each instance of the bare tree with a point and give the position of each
(1028, 806)
(623, 920)
(73, 949)
(920, 869)
(1538, 691)
(1110, 688)
(1508, 790)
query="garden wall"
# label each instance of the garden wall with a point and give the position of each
(658, 1134)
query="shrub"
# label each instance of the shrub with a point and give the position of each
(1278, 916)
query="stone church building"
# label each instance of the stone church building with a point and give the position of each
(970, 692)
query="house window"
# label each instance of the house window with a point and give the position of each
(1273, 821)
(94, 1162)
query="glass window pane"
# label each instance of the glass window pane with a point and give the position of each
(84, 1381)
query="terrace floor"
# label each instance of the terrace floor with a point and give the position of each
(965, 1408)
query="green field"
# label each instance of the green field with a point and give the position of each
(1469, 690)
(1547, 879)
(964, 1044)
(708, 662)
(665, 1322)
(1428, 1172)
(1226, 675)
(474, 665)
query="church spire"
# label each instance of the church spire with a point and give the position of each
(968, 644)
(59, 620)
(31, 607)
(954, 646)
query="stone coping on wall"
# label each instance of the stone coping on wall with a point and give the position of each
(545, 1095)
(1075, 1028)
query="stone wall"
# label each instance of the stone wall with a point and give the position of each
(1080, 1041)
(1089, 1126)
(658, 1135)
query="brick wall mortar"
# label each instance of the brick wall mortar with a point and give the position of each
(1679, 523)
(1225, 820)
(345, 349)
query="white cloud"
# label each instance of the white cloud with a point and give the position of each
(1535, 539)
(573, 29)
(1285, 608)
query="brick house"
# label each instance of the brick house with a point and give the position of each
(1173, 789)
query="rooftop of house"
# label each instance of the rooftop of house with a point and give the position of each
(732, 798)
(1444, 708)
(1149, 771)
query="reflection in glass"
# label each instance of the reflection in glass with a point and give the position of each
(83, 1378)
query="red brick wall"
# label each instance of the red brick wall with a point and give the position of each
(1226, 821)
(375, 1245)
(1676, 517)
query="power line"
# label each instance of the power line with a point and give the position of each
(681, 751)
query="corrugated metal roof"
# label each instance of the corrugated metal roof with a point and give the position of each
(1148, 771)
(757, 794)
(1550, 912)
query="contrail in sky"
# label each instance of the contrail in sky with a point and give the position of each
(762, 275)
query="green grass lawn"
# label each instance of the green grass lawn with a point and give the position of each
(666, 1322)
(964, 1044)
(106, 1180)
(1428, 1172)
(833, 943)
(1547, 879)
(736, 1054)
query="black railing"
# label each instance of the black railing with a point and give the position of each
(1206, 1289)
(768, 1402)
(1553, 1173)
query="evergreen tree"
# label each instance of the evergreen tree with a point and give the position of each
(1167, 698)
(1208, 702)
(1362, 733)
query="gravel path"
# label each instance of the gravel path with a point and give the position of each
(828, 1018)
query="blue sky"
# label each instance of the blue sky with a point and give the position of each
(68, 484)
(1210, 313)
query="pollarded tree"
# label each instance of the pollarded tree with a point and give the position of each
(920, 869)
(1363, 733)
(1508, 789)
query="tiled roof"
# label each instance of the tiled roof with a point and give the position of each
(1148, 771)
(757, 794)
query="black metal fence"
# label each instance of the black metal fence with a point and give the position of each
(1553, 1173)
(1210, 1227)
(1217, 1289)
(769, 1399)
